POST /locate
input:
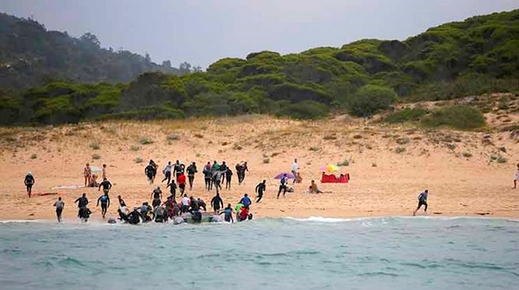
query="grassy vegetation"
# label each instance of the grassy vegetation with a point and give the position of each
(405, 115)
(145, 141)
(457, 117)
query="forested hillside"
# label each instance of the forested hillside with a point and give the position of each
(31, 55)
(478, 55)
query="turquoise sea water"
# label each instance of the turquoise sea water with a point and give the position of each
(315, 253)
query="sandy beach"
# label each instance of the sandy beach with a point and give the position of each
(389, 165)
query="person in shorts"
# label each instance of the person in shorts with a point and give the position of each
(422, 200)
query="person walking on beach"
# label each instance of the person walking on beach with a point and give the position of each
(150, 171)
(59, 204)
(82, 202)
(516, 177)
(181, 179)
(87, 172)
(172, 188)
(207, 177)
(217, 180)
(283, 185)
(156, 196)
(422, 200)
(29, 182)
(191, 170)
(216, 203)
(106, 186)
(228, 178)
(295, 169)
(179, 169)
(228, 214)
(223, 170)
(260, 189)
(167, 172)
(105, 203)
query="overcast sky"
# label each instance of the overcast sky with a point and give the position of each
(203, 31)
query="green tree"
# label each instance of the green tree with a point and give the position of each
(371, 99)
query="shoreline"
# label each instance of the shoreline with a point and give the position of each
(98, 221)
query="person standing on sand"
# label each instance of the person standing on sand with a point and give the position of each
(223, 170)
(29, 182)
(216, 203)
(106, 186)
(295, 170)
(422, 200)
(59, 204)
(167, 172)
(179, 169)
(150, 172)
(156, 196)
(228, 178)
(181, 179)
(516, 177)
(283, 185)
(172, 188)
(191, 170)
(260, 189)
(87, 172)
(207, 177)
(105, 203)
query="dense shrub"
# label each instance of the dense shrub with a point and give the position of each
(305, 110)
(458, 117)
(405, 115)
(371, 99)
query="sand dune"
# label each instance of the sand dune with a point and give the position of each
(389, 165)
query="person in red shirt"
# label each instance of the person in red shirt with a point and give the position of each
(181, 180)
(244, 213)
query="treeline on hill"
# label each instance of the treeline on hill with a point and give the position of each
(30, 56)
(476, 56)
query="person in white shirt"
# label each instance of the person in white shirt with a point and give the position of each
(295, 169)
(167, 173)
(185, 203)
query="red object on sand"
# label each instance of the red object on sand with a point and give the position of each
(344, 178)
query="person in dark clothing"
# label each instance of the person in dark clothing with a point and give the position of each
(191, 170)
(134, 217)
(202, 204)
(228, 178)
(84, 214)
(160, 214)
(106, 186)
(172, 188)
(105, 203)
(228, 214)
(223, 170)
(29, 182)
(422, 200)
(59, 204)
(156, 196)
(283, 185)
(216, 203)
(82, 201)
(239, 172)
(179, 168)
(260, 189)
(121, 201)
(151, 170)
(207, 177)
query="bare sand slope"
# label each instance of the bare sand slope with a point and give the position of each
(389, 166)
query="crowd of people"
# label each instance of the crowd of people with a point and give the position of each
(187, 208)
